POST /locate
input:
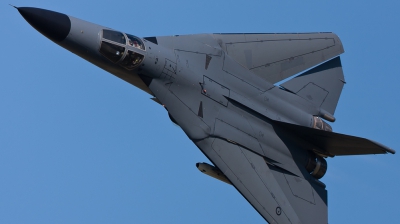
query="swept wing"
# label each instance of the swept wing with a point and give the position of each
(277, 56)
(278, 196)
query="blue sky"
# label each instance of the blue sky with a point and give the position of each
(78, 145)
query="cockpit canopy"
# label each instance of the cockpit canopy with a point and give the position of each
(135, 42)
(124, 49)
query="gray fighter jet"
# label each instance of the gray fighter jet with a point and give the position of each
(268, 141)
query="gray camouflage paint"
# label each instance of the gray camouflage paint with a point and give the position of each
(219, 89)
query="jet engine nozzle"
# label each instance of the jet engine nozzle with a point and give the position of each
(318, 123)
(212, 171)
(316, 165)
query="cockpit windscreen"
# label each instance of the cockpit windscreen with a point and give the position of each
(135, 42)
(119, 48)
(114, 36)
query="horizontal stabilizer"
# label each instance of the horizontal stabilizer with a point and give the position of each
(321, 85)
(336, 144)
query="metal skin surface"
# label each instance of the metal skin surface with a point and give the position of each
(268, 141)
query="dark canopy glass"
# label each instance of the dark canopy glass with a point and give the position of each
(135, 42)
(114, 36)
(131, 60)
(112, 51)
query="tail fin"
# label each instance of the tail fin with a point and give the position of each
(321, 85)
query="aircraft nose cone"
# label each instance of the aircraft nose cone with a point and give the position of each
(53, 25)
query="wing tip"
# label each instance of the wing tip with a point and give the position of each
(385, 148)
(392, 151)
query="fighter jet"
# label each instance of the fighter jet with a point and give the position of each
(269, 141)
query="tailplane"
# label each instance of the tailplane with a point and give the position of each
(335, 144)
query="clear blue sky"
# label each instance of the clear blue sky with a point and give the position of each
(78, 145)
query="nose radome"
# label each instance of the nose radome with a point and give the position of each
(53, 25)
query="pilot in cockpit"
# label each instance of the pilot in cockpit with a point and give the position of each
(133, 43)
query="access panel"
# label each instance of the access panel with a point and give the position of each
(214, 90)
